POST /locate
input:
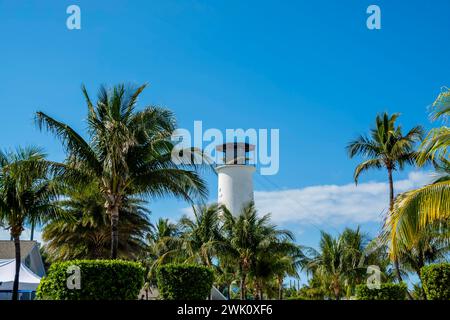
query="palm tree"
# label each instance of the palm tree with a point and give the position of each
(387, 148)
(164, 245)
(128, 151)
(341, 262)
(248, 236)
(429, 246)
(410, 239)
(87, 234)
(163, 229)
(226, 275)
(430, 203)
(286, 259)
(438, 140)
(26, 194)
(201, 236)
(330, 264)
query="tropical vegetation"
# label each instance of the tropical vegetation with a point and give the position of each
(94, 206)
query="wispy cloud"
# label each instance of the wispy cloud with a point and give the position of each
(334, 204)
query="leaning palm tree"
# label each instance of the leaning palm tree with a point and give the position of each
(416, 211)
(128, 151)
(26, 194)
(430, 203)
(438, 140)
(246, 237)
(387, 148)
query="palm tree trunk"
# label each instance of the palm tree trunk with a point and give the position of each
(423, 290)
(397, 270)
(391, 190)
(280, 289)
(114, 214)
(242, 286)
(229, 291)
(391, 208)
(256, 293)
(258, 289)
(32, 230)
(15, 294)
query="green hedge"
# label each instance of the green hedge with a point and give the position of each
(387, 291)
(436, 281)
(184, 282)
(99, 280)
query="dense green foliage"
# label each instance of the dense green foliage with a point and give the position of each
(184, 282)
(436, 281)
(99, 280)
(87, 235)
(387, 291)
(341, 263)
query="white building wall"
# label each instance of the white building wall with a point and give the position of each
(235, 186)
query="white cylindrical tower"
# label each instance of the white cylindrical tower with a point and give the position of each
(235, 176)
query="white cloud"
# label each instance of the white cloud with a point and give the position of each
(334, 204)
(5, 235)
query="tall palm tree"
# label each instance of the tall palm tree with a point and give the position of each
(87, 234)
(387, 148)
(248, 236)
(128, 151)
(26, 194)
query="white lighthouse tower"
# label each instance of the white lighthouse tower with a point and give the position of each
(235, 176)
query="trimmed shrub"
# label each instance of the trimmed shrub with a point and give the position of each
(387, 291)
(99, 280)
(184, 282)
(436, 281)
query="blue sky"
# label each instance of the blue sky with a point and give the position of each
(309, 68)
